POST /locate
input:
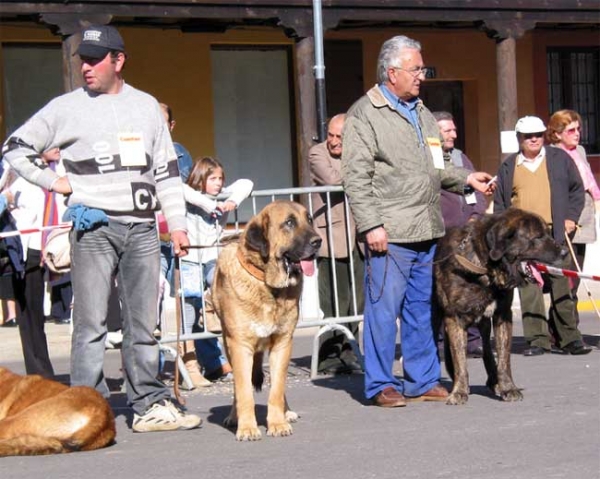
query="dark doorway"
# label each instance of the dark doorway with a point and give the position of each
(343, 74)
(447, 96)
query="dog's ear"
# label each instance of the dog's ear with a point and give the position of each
(498, 239)
(256, 237)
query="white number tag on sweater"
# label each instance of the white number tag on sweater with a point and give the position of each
(435, 146)
(131, 149)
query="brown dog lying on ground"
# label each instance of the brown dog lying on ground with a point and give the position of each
(477, 267)
(41, 416)
(255, 293)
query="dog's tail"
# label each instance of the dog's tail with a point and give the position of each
(258, 375)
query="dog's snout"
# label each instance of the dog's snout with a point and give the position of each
(315, 242)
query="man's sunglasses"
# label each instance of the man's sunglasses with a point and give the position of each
(529, 136)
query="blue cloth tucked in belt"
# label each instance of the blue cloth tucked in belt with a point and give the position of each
(85, 218)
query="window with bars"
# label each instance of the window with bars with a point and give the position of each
(574, 83)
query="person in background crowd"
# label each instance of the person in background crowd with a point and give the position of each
(61, 290)
(120, 164)
(167, 261)
(458, 208)
(544, 181)
(206, 225)
(393, 167)
(27, 209)
(564, 131)
(335, 355)
(11, 249)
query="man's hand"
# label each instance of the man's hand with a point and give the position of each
(480, 181)
(570, 226)
(62, 186)
(377, 240)
(179, 239)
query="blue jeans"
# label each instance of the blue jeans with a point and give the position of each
(399, 284)
(129, 251)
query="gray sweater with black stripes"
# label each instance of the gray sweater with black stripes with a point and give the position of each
(116, 150)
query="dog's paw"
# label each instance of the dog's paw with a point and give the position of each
(512, 395)
(457, 398)
(279, 429)
(291, 416)
(250, 433)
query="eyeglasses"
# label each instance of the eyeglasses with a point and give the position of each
(572, 131)
(416, 71)
(529, 136)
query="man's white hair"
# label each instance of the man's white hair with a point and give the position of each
(389, 53)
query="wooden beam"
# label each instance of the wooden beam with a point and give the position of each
(506, 73)
(495, 5)
(307, 108)
(554, 11)
(72, 78)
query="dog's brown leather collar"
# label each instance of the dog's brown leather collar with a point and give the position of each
(466, 263)
(250, 268)
(474, 268)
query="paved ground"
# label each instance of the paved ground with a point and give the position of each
(553, 433)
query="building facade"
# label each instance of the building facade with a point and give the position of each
(240, 79)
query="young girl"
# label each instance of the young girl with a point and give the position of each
(208, 205)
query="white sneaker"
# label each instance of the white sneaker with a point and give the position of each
(164, 416)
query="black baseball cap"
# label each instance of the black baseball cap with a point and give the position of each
(98, 40)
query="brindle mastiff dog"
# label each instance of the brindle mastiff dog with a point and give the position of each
(40, 416)
(255, 293)
(477, 267)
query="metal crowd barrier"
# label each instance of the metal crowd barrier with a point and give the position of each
(311, 315)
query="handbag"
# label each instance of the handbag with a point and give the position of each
(57, 251)
(191, 286)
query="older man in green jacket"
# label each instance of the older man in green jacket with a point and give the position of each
(393, 167)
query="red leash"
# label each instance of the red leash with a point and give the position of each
(565, 272)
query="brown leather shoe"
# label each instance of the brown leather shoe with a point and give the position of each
(389, 397)
(436, 393)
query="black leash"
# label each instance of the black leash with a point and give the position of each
(388, 255)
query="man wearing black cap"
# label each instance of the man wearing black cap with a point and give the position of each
(121, 167)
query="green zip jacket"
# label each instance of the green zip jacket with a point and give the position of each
(390, 179)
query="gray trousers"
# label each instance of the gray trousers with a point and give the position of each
(131, 252)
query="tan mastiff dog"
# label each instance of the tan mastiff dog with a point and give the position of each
(41, 416)
(256, 290)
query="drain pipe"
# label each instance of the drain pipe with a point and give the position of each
(319, 69)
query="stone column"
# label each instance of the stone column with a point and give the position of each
(307, 108)
(506, 34)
